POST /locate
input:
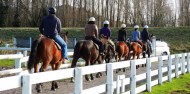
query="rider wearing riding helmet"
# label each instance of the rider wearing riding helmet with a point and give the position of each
(145, 36)
(91, 33)
(105, 34)
(122, 35)
(50, 27)
(136, 35)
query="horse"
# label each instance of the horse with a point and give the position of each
(122, 51)
(45, 50)
(109, 51)
(87, 50)
(136, 50)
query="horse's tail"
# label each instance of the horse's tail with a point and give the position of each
(77, 51)
(33, 52)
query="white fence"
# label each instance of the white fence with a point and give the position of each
(179, 62)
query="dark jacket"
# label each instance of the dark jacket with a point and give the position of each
(145, 35)
(121, 35)
(106, 32)
(50, 26)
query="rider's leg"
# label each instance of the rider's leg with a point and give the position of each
(63, 45)
(100, 44)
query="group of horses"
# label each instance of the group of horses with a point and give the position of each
(45, 50)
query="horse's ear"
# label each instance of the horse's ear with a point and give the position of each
(67, 33)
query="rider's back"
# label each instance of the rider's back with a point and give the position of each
(91, 30)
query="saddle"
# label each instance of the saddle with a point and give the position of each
(96, 45)
(58, 46)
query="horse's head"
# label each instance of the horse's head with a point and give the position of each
(64, 36)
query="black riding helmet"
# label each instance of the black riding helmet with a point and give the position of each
(52, 10)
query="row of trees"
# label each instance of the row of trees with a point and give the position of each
(75, 13)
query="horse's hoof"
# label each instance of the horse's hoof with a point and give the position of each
(53, 89)
(87, 79)
(39, 91)
(92, 78)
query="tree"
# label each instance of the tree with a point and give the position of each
(4, 12)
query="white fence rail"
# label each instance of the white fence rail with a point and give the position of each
(178, 62)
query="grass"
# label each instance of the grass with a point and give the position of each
(181, 84)
(7, 62)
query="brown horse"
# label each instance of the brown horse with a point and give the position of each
(44, 50)
(88, 51)
(136, 50)
(109, 51)
(122, 51)
(146, 50)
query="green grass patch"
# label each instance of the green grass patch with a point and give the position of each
(7, 62)
(177, 86)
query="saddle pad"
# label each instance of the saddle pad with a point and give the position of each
(58, 46)
(96, 45)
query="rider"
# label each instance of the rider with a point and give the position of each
(91, 33)
(50, 27)
(105, 34)
(122, 35)
(145, 36)
(136, 35)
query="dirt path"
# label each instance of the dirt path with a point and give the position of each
(66, 87)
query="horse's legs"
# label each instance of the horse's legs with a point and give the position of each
(117, 70)
(74, 62)
(99, 74)
(87, 63)
(56, 66)
(38, 86)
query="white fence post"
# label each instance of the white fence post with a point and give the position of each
(26, 84)
(176, 65)
(120, 83)
(148, 75)
(154, 45)
(78, 81)
(109, 81)
(188, 62)
(183, 63)
(132, 77)
(17, 62)
(160, 74)
(169, 68)
(25, 54)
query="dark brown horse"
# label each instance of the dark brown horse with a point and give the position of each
(122, 51)
(109, 51)
(44, 50)
(87, 50)
(146, 50)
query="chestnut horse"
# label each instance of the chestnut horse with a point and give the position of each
(88, 51)
(122, 51)
(45, 50)
(136, 50)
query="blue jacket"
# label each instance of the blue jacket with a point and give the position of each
(135, 35)
(106, 32)
(50, 26)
